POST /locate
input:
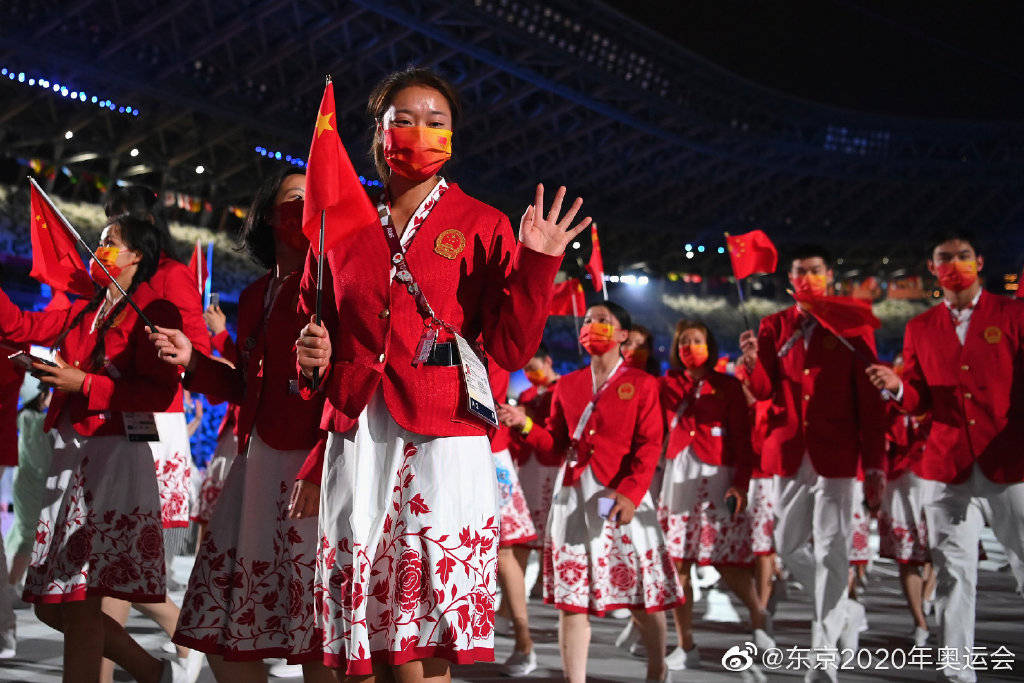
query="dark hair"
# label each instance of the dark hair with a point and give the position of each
(141, 236)
(684, 325)
(620, 313)
(141, 202)
(384, 92)
(950, 234)
(257, 236)
(653, 366)
(542, 352)
(805, 251)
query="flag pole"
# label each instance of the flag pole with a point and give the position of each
(739, 287)
(319, 283)
(78, 238)
(208, 289)
(576, 324)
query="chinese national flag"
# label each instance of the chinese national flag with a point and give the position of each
(55, 259)
(332, 185)
(1020, 286)
(567, 299)
(197, 266)
(751, 253)
(595, 266)
(843, 316)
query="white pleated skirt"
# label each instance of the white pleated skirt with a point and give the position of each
(593, 566)
(408, 554)
(516, 523)
(538, 483)
(250, 595)
(99, 531)
(172, 460)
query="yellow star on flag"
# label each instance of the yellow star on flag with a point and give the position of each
(323, 123)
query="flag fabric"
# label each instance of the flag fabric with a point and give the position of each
(843, 316)
(332, 185)
(567, 299)
(1020, 286)
(55, 258)
(722, 364)
(595, 266)
(751, 253)
(197, 266)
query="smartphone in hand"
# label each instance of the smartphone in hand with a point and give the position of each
(215, 299)
(604, 506)
(25, 360)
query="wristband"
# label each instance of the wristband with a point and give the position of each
(527, 426)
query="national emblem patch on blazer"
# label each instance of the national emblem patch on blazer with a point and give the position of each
(993, 335)
(626, 391)
(450, 243)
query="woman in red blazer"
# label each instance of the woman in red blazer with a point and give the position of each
(704, 495)
(252, 543)
(406, 566)
(604, 549)
(101, 535)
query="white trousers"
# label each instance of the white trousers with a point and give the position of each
(955, 517)
(7, 619)
(811, 505)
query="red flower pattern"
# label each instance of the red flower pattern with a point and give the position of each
(172, 477)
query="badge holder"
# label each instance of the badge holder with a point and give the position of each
(140, 426)
(480, 401)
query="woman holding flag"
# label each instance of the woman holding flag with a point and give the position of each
(101, 534)
(408, 492)
(250, 595)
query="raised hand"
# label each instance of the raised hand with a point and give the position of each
(172, 346)
(748, 347)
(313, 348)
(550, 235)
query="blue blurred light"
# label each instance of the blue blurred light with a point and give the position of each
(21, 77)
(3, 71)
(721, 250)
(700, 248)
(94, 99)
(688, 247)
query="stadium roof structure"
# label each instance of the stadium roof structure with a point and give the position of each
(665, 147)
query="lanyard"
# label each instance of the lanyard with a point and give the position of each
(588, 411)
(685, 403)
(404, 276)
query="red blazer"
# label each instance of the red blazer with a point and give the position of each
(974, 392)
(759, 430)
(501, 438)
(11, 377)
(263, 385)
(822, 401)
(716, 423)
(622, 441)
(225, 345)
(538, 407)
(476, 278)
(175, 282)
(133, 379)
(905, 441)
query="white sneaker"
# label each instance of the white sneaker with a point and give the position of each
(920, 636)
(175, 672)
(683, 660)
(285, 670)
(856, 623)
(763, 640)
(8, 644)
(629, 635)
(170, 648)
(520, 664)
(503, 626)
(193, 663)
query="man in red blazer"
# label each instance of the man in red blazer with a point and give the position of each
(964, 363)
(824, 420)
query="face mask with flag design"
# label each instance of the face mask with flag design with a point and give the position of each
(416, 152)
(538, 378)
(810, 285)
(596, 338)
(957, 275)
(288, 225)
(693, 355)
(108, 256)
